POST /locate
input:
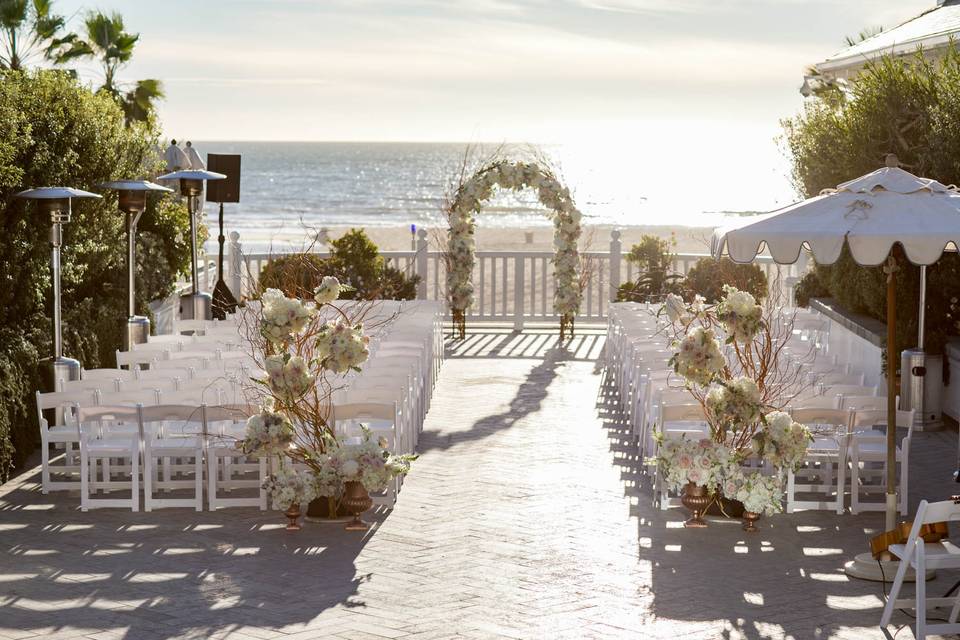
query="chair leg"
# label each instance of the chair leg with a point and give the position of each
(263, 492)
(198, 479)
(135, 477)
(212, 480)
(148, 470)
(791, 491)
(84, 479)
(905, 487)
(841, 483)
(895, 589)
(45, 467)
(855, 483)
(921, 632)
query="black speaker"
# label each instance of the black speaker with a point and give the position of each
(228, 189)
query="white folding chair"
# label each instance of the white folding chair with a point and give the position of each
(99, 440)
(921, 556)
(863, 403)
(54, 413)
(172, 431)
(825, 452)
(223, 445)
(678, 421)
(870, 448)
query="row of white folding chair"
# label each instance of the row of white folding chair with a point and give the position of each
(110, 432)
(59, 406)
(831, 456)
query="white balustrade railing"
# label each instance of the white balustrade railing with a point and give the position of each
(511, 286)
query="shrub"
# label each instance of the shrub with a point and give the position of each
(654, 259)
(354, 260)
(808, 287)
(910, 107)
(708, 276)
(53, 131)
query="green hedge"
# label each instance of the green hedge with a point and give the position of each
(354, 260)
(910, 107)
(53, 131)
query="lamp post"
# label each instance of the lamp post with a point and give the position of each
(57, 201)
(197, 305)
(132, 196)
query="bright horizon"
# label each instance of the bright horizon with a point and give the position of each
(685, 92)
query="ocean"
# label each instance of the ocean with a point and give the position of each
(288, 185)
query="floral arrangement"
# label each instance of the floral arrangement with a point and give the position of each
(289, 487)
(699, 358)
(734, 404)
(783, 442)
(370, 463)
(758, 493)
(702, 462)
(461, 248)
(739, 314)
(741, 392)
(302, 351)
(267, 434)
(341, 347)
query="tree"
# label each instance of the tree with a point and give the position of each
(55, 131)
(112, 46)
(653, 257)
(29, 32)
(910, 107)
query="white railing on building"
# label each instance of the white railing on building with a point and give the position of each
(510, 286)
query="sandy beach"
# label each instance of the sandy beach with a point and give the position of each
(533, 238)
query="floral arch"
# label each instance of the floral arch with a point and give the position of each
(461, 247)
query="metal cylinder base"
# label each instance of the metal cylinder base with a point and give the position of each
(135, 331)
(196, 306)
(62, 369)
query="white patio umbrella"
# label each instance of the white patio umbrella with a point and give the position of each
(870, 214)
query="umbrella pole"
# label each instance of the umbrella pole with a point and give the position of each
(891, 271)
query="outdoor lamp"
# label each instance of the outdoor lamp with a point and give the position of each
(133, 202)
(197, 305)
(57, 201)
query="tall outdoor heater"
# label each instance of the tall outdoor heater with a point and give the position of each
(133, 202)
(196, 305)
(227, 190)
(57, 201)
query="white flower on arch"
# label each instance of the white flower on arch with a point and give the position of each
(461, 248)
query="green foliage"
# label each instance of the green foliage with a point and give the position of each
(354, 260)
(653, 257)
(55, 132)
(908, 107)
(30, 33)
(708, 276)
(808, 287)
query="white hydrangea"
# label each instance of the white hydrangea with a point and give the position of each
(328, 291)
(283, 317)
(341, 347)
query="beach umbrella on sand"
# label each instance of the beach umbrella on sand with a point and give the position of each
(869, 214)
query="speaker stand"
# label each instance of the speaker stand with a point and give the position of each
(223, 300)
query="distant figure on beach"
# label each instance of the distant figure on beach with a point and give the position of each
(175, 158)
(193, 157)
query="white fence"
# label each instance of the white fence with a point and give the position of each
(510, 286)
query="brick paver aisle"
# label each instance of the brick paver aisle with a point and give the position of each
(522, 519)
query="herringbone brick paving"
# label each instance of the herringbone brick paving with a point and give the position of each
(526, 517)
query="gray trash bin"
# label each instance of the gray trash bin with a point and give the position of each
(921, 386)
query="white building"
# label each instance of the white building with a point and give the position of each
(930, 31)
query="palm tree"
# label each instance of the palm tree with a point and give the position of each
(29, 33)
(110, 43)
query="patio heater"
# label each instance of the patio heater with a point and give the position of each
(227, 190)
(132, 196)
(57, 201)
(916, 367)
(196, 305)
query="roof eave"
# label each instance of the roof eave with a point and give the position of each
(903, 48)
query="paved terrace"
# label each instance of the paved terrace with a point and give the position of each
(524, 518)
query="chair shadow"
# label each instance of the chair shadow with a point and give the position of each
(187, 575)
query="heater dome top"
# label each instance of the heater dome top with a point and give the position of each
(55, 193)
(133, 185)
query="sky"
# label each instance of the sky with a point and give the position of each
(665, 85)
